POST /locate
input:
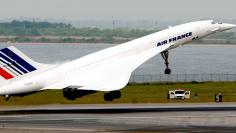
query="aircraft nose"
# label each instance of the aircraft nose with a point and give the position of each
(226, 26)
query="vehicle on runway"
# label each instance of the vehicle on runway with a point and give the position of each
(107, 70)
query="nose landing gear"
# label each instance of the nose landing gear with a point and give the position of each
(165, 55)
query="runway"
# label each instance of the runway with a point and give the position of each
(119, 118)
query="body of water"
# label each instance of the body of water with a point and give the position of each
(188, 59)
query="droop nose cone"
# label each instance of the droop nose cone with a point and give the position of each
(226, 26)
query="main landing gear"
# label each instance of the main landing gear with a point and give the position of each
(110, 96)
(165, 55)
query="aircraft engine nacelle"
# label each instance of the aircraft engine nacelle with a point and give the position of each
(72, 93)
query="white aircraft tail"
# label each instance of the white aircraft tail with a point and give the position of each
(14, 65)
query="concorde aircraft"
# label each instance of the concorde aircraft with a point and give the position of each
(107, 70)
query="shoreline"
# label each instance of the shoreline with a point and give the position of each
(108, 40)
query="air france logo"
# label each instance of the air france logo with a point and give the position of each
(176, 38)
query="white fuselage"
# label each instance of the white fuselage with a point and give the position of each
(110, 69)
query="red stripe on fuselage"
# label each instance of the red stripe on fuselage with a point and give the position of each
(5, 74)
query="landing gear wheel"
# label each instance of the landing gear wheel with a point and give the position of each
(167, 71)
(108, 97)
(116, 94)
(165, 56)
(69, 93)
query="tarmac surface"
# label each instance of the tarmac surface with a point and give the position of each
(119, 118)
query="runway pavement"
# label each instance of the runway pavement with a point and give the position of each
(119, 118)
(117, 108)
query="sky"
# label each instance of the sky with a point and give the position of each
(131, 10)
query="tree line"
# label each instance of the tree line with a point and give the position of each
(27, 28)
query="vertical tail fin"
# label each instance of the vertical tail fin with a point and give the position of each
(13, 63)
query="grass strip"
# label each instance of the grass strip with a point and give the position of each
(136, 93)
